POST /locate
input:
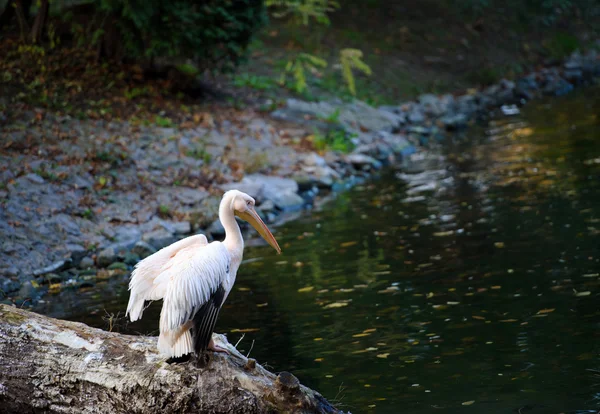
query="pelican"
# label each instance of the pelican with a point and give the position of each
(194, 278)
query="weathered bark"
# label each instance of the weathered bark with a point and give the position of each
(50, 365)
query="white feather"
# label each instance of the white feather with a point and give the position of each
(142, 284)
(184, 275)
(192, 279)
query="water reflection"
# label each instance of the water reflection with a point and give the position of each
(467, 282)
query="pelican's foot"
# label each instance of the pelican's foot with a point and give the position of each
(216, 348)
(179, 360)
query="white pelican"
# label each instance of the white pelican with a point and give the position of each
(193, 278)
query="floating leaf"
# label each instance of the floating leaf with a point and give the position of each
(508, 320)
(443, 233)
(499, 245)
(306, 289)
(580, 294)
(478, 317)
(335, 305)
(348, 244)
(542, 311)
(389, 289)
(245, 330)
(468, 403)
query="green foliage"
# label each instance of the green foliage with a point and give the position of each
(132, 93)
(164, 211)
(336, 140)
(352, 59)
(485, 76)
(199, 153)
(561, 45)
(297, 68)
(214, 33)
(253, 81)
(163, 121)
(332, 118)
(303, 10)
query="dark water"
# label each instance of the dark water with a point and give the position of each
(470, 288)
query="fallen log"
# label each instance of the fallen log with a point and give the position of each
(51, 365)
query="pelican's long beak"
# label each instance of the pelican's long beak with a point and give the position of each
(252, 217)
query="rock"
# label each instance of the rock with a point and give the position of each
(573, 75)
(419, 129)
(314, 159)
(216, 229)
(81, 181)
(159, 238)
(286, 201)
(431, 104)
(131, 258)
(182, 227)
(510, 110)
(67, 224)
(190, 196)
(454, 122)
(126, 237)
(362, 160)
(54, 267)
(53, 278)
(118, 265)
(416, 115)
(267, 205)
(77, 252)
(34, 178)
(86, 263)
(557, 86)
(177, 227)
(281, 191)
(467, 104)
(9, 286)
(106, 257)
(143, 249)
(253, 189)
(353, 116)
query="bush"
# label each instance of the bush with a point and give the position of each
(213, 33)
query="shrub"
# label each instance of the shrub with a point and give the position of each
(214, 33)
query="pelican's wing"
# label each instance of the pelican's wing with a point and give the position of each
(142, 286)
(195, 292)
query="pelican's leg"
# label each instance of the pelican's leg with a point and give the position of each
(216, 348)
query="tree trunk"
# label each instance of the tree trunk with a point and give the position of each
(39, 22)
(50, 365)
(21, 10)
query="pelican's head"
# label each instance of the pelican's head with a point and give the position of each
(243, 207)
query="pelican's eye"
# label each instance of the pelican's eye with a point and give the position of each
(249, 203)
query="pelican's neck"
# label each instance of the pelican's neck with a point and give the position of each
(234, 242)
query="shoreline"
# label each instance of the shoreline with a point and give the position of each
(66, 206)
